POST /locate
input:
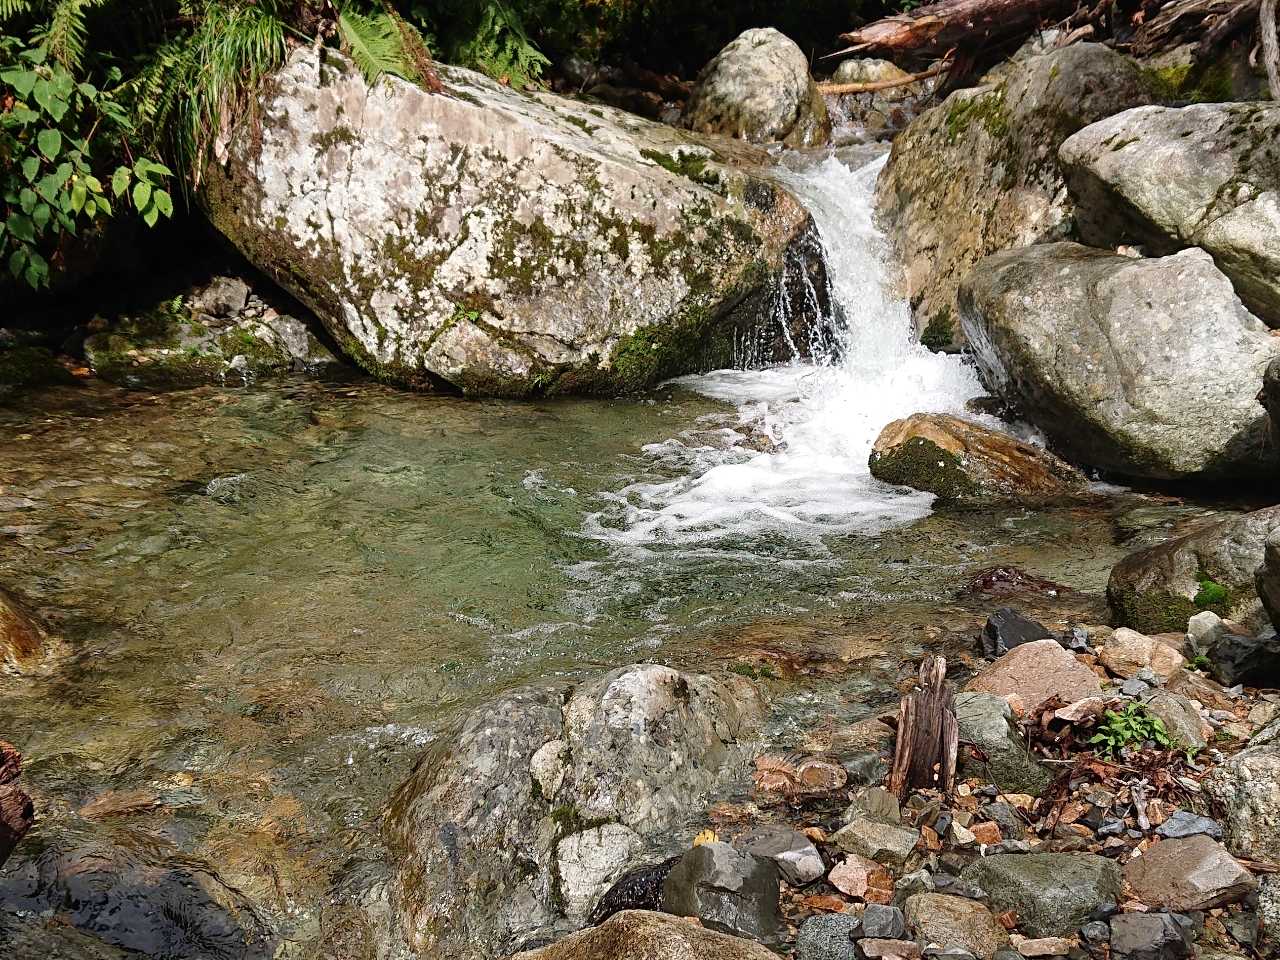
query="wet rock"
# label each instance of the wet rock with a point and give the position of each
(1155, 323)
(638, 889)
(828, 936)
(955, 921)
(876, 114)
(1180, 718)
(1149, 936)
(1127, 653)
(510, 243)
(877, 841)
(937, 198)
(1195, 176)
(986, 720)
(797, 858)
(24, 369)
(758, 89)
(1248, 788)
(961, 460)
(1192, 874)
(1269, 575)
(728, 891)
(883, 922)
(1159, 589)
(1006, 629)
(25, 644)
(24, 937)
(1035, 672)
(1053, 893)
(654, 936)
(1183, 824)
(534, 803)
(224, 296)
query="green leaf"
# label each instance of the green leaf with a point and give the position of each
(30, 167)
(41, 216)
(20, 226)
(150, 215)
(18, 261)
(101, 202)
(46, 96)
(120, 180)
(93, 183)
(141, 195)
(163, 202)
(79, 194)
(21, 80)
(37, 272)
(90, 206)
(27, 200)
(88, 90)
(49, 142)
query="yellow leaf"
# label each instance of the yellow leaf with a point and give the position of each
(706, 836)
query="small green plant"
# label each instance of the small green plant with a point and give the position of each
(1129, 726)
(1200, 662)
(940, 332)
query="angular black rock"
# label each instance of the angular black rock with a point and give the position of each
(639, 889)
(1006, 629)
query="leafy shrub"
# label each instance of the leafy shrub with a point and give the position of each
(1127, 727)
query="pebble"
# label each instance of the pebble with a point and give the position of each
(1095, 931)
(877, 948)
(1184, 823)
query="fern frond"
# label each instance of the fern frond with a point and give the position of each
(64, 35)
(13, 8)
(376, 45)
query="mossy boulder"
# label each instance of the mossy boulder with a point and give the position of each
(24, 368)
(1206, 175)
(1159, 589)
(979, 173)
(510, 243)
(961, 460)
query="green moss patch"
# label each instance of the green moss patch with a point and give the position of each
(922, 465)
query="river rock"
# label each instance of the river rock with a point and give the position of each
(961, 460)
(758, 89)
(1052, 893)
(987, 720)
(526, 810)
(638, 889)
(1127, 653)
(828, 936)
(1156, 590)
(1248, 788)
(1035, 672)
(1192, 874)
(1183, 824)
(654, 936)
(1107, 355)
(1202, 175)
(511, 242)
(1180, 718)
(797, 858)
(956, 922)
(224, 296)
(1006, 629)
(1269, 577)
(880, 842)
(1149, 936)
(979, 173)
(25, 644)
(729, 891)
(875, 114)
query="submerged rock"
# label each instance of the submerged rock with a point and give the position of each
(515, 822)
(1054, 894)
(1203, 175)
(1159, 589)
(654, 936)
(25, 645)
(513, 243)
(1146, 368)
(758, 89)
(961, 460)
(979, 173)
(729, 891)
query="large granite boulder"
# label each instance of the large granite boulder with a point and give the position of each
(1269, 577)
(511, 243)
(1204, 175)
(979, 173)
(758, 89)
(521, 816)
(1147, 368)
(1159, 589)
(654, 936)
(1247, 786)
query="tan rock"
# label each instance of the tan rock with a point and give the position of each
(853, 876)
(1195, 687)
(652, 935)
(1192, 874)
(881, 842)
(1045, 947)
(864, 735)
(955, 921)
(883, 949)
(1037, 671)
(1128, 652)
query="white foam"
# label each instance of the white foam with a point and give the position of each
(823, 420)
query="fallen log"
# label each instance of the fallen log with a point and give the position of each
(838, 89)
(17, 813)
(928, 734)
(1225, 27)
(1179, 22)
(967, 24)
(672, 88)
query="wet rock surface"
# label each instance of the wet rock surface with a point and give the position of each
(1106, 354)
(655, 936)
(1054, 894)
(727, 890)
(25, 644)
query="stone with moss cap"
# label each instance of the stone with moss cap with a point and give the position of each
(510, 243)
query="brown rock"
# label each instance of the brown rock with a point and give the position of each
(955, 921)
(24, 642)
(1045, 947)
(654, 936)
(1192, 874)
(1195, 687)
(1127, 652)
(1037, 671)
(877, 949)
(986, 832)
(853, 875)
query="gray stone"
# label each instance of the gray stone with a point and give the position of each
(758, 89)
(729, 891)
(1204, 630)
(1096, 931)
(797, 858)
(1248, 788)
(1053, 893)
(987, 720)
(489, 830)
(979, 173)
(1183, 823)
(875, 948)
(1149, 936)
(1269, 901)
(955, 922)
(1133, 687)
(875, 803)
(224, 296)
(1002, 814)
(1269, 572)
(883, 922)
(865, 768)
(828, 936)
(1180, 718)
(1192, 874)
(513, 243)
(880, 842)
(654, 936)
(1128, 394)
(1197, 176)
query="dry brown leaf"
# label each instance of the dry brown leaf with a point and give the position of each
(826, 903)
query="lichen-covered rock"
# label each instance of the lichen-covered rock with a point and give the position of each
(1269, 577)
(758, 88)
(520, 817)
(1052, 893)
(1207, 175)
(1147, 368)
(1248, 788)
(25, 367)
(979, 173)
(986, 720)
(1159, 589)
(513, 243)
(961, 460)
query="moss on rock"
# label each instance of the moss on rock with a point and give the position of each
(922, 465)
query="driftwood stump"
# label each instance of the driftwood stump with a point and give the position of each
(16, 810)
(928, 735)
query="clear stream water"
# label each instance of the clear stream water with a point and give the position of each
(274, 597)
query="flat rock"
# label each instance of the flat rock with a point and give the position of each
(828, 936)
(1149, 936)
(955, 921)
(1127, 653)
(796, 856)
(1248, 788)
(854, 875)
(880, 842)
(987, 720)
(654, 936)
(729, 891)
(1192, 874)
(1129, 391)
(1036, 672)
(962, 460)
(1053, 893)
(1045, 947)
(878, 949)
(1183, 824)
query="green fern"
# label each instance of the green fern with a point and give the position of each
(65, 33)
(376, 45)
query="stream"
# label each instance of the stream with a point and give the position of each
(274, 597)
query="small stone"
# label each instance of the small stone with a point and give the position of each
(1006, 629)
(1149, 936)
(876, 803)
(1192, 874)
(1010, 825)
(797, 858)
(865, 768)
(1133, 687)
(961, 836)
(1205, 629)
(986, 833)
(1053, 893)
(828, 936)
(729, 891)
(876, 948)
(1095, 931)
(1183, 823)
(1045, 947)
(852, 876)
(883, 923)
(1181, 720)
(1127, 652)
(881, 842)
(225, 296)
